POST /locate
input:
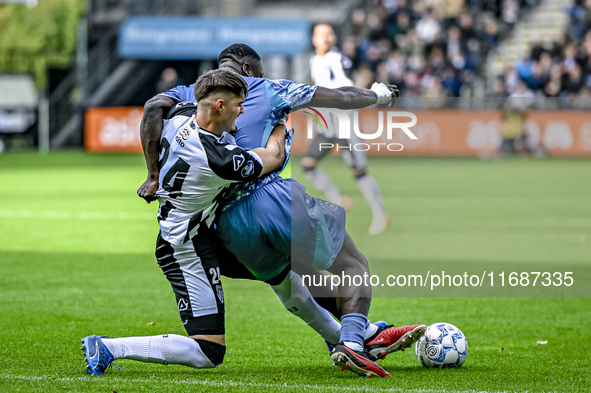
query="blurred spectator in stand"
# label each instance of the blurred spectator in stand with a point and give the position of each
(428, 27)
(499, 94)
(524, 68)
(455, 44)
(536, 49)
(168, 79)
(414, 49)
(569, 61)
(436, 61)
(451, 9)
(451, 82)
(358, 27)
(490, 36)
(538, 77)
(469, 34)
(375, 21)
(509, 12)
(511, 79)
(553, 87)
(349, 50)
(394, 68)
(400, 26)
(558, 45)
(572, 82)
(580, 18)
(586, 59)
(364, 77)
(373, 55)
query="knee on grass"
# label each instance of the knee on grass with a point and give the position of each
(213, 351)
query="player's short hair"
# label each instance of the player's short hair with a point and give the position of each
(220, 80)
(239, 53)
(325, 24)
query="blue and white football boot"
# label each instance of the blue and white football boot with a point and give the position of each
(98, 357)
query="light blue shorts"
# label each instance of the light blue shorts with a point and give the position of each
(278, 222)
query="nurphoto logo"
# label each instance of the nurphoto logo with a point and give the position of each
(341, 124)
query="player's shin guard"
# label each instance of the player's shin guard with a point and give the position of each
(296, 298)
(167, 349)
(321, 181)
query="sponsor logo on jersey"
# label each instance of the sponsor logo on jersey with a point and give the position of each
(328, 205)
(220, 292)
(238, 161)
(183, 305)
(248, 169)
(185, 133)
(193, 125)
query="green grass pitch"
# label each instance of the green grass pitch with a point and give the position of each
(76, 258)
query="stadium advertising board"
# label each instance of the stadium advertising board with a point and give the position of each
(195, 38)
(115, 129)
(437, 132)
(452, 132)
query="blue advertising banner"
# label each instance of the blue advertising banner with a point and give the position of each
(196, 38)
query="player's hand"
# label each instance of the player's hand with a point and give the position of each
(387, 94)
(148, 190)
(395, 94)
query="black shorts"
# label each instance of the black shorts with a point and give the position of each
(192, 268)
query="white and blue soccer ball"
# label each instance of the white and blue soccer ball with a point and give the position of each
(443, 345)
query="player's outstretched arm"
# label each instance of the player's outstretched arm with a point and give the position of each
(150, 131)
(273, 155)
(351, 97)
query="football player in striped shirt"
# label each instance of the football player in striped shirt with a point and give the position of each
(198, 158)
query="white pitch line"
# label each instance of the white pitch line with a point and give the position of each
(230, 383)
(81, 215)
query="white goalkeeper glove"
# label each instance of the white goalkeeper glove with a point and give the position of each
(383, 92)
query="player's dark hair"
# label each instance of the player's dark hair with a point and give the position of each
(239, 53)
(220, 80)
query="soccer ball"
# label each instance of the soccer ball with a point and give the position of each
(443, 345)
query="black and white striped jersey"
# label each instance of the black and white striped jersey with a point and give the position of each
(329, 70)
(195, 166)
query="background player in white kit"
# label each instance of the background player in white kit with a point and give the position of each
(327, 71)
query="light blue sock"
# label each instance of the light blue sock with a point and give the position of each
(353, 328)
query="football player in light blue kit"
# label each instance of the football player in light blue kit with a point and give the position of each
(259, 218)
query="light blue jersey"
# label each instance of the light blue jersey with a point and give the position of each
(266, 103)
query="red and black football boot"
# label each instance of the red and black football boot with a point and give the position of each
(392, 339)
(357, 362)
